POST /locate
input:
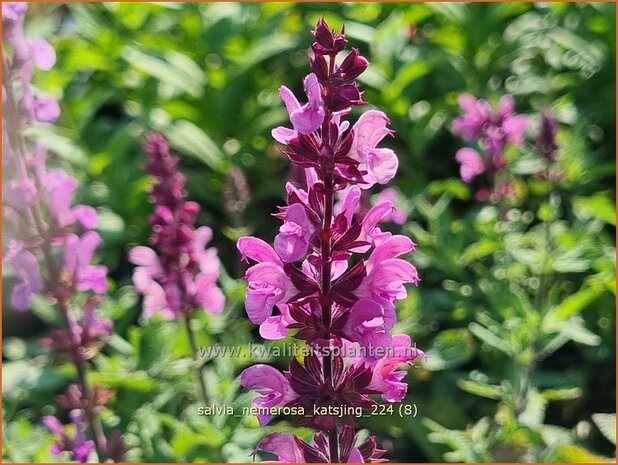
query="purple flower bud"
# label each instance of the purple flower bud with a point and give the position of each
(327, 41)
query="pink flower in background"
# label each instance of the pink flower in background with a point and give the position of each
(77, 446)
(60, 188)
(48, 252)
(398, 214)
(14, 11)
(545, 143)
(77, 269)
(471, 162)
(179, 274)
(493, 130)
(26, 267)
(20, 194)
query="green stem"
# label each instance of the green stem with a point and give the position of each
(194, 353)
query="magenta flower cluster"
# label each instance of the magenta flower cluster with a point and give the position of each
(493, 131)
(53, 241)
(332, 279)
(181, 275)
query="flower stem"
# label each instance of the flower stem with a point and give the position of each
(326, 257)
(18, 143)
(198, 368)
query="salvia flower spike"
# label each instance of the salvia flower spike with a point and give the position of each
(333, 277)
(53, 241)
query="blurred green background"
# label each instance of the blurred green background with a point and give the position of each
(207, 76)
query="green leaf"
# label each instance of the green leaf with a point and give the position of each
(599, 206)
(451, 348)
(188, 138)
(182, 78)
(481, 389)
(489, 338)
(575, 303)
(606, 422)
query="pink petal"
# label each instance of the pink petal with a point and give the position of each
(258, 250)
(274, 328)
(382, 165)
(283, 446)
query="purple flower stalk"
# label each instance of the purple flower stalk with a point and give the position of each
(333, 277)
(181, 274)
(493, 131)
(545, 143)
(52, 242)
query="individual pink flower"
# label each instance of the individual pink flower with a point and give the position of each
(78, 446)
(77, 268)
(20, 194)
(293, 239)
(284, 446)
(398, 215)
(271, 384)
(304, 118)
(43, 54)
(13, 11)
(26, 267)
(387, 274)
(380, 163)
(471, 164)
(44, 109)
(268, 283)
(385, 379)
(368, 323)
(60, 188)
(477, 113)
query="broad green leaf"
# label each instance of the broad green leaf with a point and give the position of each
(164, 71)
